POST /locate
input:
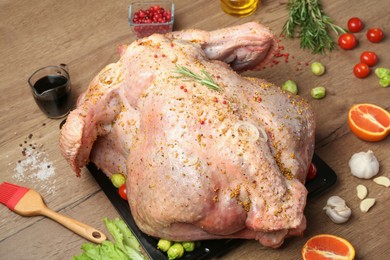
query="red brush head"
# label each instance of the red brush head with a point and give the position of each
(10, 194)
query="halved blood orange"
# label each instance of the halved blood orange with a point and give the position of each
(325, 246)
(369, 122)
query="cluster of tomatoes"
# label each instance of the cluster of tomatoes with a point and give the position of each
(348, 41)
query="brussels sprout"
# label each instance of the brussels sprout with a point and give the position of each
(382, 72)
(164, 245)
(118, 179)
(290, 86)
(385, 81)
(175, 251)
(384, 76)
(317, 68)
(188, 246)
(318, 92)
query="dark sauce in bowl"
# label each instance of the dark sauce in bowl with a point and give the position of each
(52, 94)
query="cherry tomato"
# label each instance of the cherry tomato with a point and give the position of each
(355, 25)
(123, 192)
(375, 35)
(312, 172)
(347, 41)
(361, 70)
(369, 57)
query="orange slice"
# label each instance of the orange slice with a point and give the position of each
(326, 246)
(369, 122)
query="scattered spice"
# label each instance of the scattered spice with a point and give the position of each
(258, 99)
(34, 167)
(281, 54)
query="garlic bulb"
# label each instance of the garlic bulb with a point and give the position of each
(337, 210)
(364, 165)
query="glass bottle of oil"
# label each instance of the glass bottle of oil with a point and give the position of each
(239, 8)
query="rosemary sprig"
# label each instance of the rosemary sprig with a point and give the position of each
(206, 79)
(313, 23)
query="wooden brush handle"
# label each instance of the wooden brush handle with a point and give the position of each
(79, 228)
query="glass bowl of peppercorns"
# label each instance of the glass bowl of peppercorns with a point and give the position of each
(149, 17)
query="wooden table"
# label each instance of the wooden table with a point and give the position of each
(85, 34)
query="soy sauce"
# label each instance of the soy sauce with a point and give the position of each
(53, 95)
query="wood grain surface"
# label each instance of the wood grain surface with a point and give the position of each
(85, 35)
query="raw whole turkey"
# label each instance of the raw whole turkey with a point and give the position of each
(208, 153)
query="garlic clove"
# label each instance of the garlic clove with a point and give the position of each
(382, 180)
(361, 191)
(366, 204)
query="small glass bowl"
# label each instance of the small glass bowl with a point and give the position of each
(141, 30)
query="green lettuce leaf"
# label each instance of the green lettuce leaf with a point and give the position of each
(115, 233)
(125, 245)
(128, 237)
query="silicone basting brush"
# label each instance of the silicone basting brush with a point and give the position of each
(27, 202)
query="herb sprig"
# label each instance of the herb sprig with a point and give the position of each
(204, 79)
(313, 23)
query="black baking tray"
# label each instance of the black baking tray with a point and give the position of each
(324, 179)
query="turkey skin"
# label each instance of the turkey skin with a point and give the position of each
(208, 153)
